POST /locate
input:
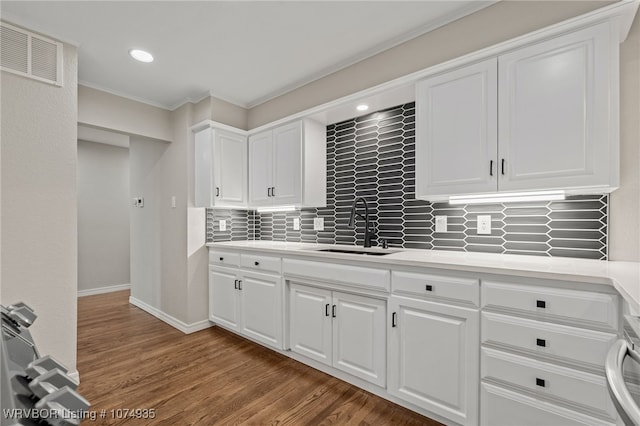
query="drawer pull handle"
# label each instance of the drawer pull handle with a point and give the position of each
(222, 259)
(239, 284)
(256, 263)
(394, 319)
(541, 304)
(540, 382)
(541, 342)
(326, 310)
(235, 284)
(333, 311)
(429, 287)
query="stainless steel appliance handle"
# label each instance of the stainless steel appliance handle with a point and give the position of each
(622, 399)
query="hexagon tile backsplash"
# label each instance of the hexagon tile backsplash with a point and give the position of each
(373, 156)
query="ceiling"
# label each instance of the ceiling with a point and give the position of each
(245, 52)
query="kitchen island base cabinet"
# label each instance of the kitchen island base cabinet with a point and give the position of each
(339, 329)
(433, 357)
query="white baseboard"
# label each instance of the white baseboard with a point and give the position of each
(101, 290)
(75, 374)
(174, 322)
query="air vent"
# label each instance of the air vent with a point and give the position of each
(30, 55)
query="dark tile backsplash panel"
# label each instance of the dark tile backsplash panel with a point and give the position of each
(374, 157)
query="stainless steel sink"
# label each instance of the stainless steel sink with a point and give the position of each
(356, 251)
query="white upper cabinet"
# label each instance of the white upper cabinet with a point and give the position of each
(555, 124)
(287, 166)
(221, 168)
(261, 167)
(457, 131)
(541, 117)
(287, 173)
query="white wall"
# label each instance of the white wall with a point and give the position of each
(146, 226)
(103, 216)
(39, 204)
(107, 111)
(624, 215)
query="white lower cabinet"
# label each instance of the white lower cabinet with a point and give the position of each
(543, 354)
(433, 357)
(343, 330)
(247, 302)
(261, 308)
(502, 407)
(223, 297)
(455, 346)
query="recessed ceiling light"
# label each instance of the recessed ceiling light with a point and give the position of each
(362, 107)
(141, 55)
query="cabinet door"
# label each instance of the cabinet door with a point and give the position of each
(230, 169)
(261, 169)
(359, 337)
(456, 143)
(287, 164)
(223, 298)
(261, 301)
(555, 113)
(204, 191)
(434, 357)
(310, 322)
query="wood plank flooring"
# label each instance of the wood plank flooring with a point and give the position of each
(128, 359)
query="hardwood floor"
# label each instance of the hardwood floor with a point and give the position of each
(128, 359)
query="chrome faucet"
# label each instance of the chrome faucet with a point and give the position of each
(368, 233)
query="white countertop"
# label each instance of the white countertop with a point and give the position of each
(623, 276)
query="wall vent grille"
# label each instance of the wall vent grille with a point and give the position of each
(30, 55)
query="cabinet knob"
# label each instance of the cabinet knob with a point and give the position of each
(541, 342)
(256, 263)
(540, 382)
(221, 259)
(541, 304)
(429, 287)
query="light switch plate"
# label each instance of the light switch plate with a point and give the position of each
(441, 224)
(484, 225)
(296, 223)
(318, 224)
(222, 225)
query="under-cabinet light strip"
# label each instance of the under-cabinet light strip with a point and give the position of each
(508, 197)
(276, 209)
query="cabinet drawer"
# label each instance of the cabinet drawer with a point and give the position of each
(569, 344)
(260, 262)
(378, 279)
(435, 286)
(583, 307)
(553, 381)
(226, 258)
(501, 407)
